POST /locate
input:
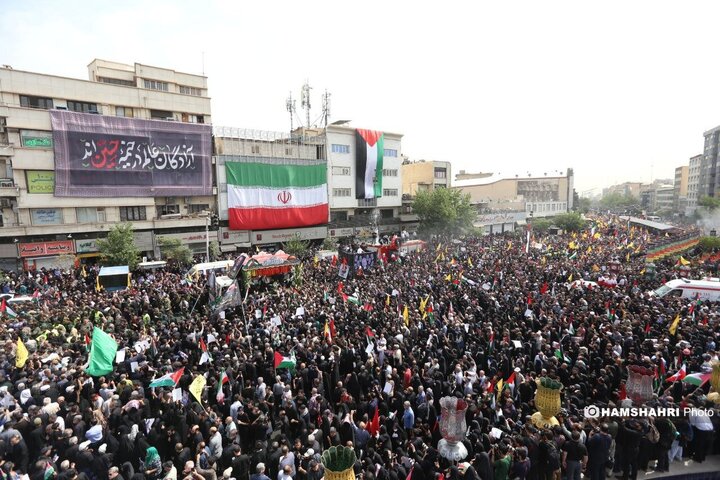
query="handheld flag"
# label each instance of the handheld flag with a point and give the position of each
(220, 395)
(406, 316)
(197, 387)
(697, 379)
(21, 355)
(168, 380)
(674, 326)
(374, 426)
(205, 355)
(284, 362)
(102, 353)
(4, 308)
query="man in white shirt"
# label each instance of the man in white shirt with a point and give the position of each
(703, 430)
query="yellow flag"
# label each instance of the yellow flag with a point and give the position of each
(97, 284)
(627, 257)
(387, 299)
(570, 278)
(83, 272)
(596, 236)
(543, 260)
(129, 285)
(642, 272)
(631, 245)
(673, 328)
(423, 303)
(316, 260)
(499, 385)
(439, 245)
(406, 316)
(197, 387)
(469, 262)
(589, 250)
(683, 261)
(509, 245)
(637, 250)
(574, 235)
(448, 277)
(22, 354)
(437, 259)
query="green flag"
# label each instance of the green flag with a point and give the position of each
(102, 353)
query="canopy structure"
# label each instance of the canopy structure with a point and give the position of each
(266, 264)
(114, 278)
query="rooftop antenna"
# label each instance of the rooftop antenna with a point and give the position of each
(326, 107)
(305, 101)
(290, 107)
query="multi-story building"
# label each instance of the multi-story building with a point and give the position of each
(424, 175)
(624, 189)
(693, 183)
(232, 146)
(681, 188)
(709, 178)
(48, 206)
(551, 193)
(657, 196)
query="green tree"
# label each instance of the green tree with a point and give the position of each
(329, 244)
(615, 200)
(296, 247)
(174, 251)
(711, 203)
(119, 247)
(708, 244)
(583, 205)
(570, 222)
(444, 210)
(214, 251)
(541, 224)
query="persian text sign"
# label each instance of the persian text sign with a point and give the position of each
(41, 249)
(99, 156)
(40, 181)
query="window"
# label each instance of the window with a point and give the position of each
(124, 112)
(161, 115)
(255, 149)
(338, 216)
(82, 107)
(341, 170)
(198, 208)
(390, 192)
(190, 118)
(390, 152)
(390, 172)
(367, 202)
(190, 91)
(387, 213)
(36, 102)
(156, 85)
(341, 192)
(167, 210)
(117, 81)
(46, 216)
(288, 151)
(132, 213)
(440, 173)
(90, 215)
(338, 148)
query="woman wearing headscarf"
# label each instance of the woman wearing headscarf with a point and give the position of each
(153, 464)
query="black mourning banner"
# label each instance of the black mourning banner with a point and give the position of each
(100, 156)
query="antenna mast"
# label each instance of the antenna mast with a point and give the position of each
(326, 107)
(290, 107)
(305, 101)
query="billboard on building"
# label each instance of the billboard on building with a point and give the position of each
(100, 156)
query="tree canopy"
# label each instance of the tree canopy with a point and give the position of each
(119, 247)
(570, 222)
(174, 251)
(711, 203)
(614, 200)
(444, 210)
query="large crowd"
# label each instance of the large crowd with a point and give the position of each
(479, 318)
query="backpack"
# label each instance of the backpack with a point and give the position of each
(553, 456)
(653, 435)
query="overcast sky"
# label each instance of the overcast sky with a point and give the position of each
(619, 91)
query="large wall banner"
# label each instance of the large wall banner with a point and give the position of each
(101, 156)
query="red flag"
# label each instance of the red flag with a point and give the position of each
(3, 306)
(368, 307)
(87, 337)
(341, 287)
(374, 426)
(36, 294)
(369, 332)
(344, 261)
(334, 261)
(647, 327)
(662, 367)
(544, 288)
(332, 327)
(511, 379)
(529, 299)
(264, 310)
(203, 347)
(622, 395)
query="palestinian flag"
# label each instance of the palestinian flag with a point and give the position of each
(678, 376)
(220, 395)
(205, 357)
(168, 380)
(284, 362)
(4, 308)
(369, 152)
(266, 194)
(697, 379)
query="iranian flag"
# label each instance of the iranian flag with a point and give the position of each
(220, 395)
(168, 380)
(369, 163)
(269, 195)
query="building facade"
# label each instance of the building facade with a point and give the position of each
(424, 175)
(624, 189)
(536, 195)
(680, 188)
(708, 183)
(37, 224)
(694, 168)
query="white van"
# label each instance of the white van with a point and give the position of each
(705, 289)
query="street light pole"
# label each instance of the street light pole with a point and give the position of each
(207, 238)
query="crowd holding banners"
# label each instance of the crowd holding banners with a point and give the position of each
(361, 362)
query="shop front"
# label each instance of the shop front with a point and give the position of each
(48, 255)
(232, 240)
(87, 250)
(266, 237)
(195, 241)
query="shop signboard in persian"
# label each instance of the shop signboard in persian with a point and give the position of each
(40, 181)
(45, 249)
(36, 139)
(86, 246)
(100, 156)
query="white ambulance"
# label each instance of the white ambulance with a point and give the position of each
(705, 289)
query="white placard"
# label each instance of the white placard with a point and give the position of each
(177, 395)
(276, 321)
(120, 356)
(300, 311)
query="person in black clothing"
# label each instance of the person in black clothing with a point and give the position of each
(667, 431)
(574, 456)
(632, 434)
(598, 449)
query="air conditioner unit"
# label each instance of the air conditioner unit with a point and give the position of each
(5, 203)
(214, 190)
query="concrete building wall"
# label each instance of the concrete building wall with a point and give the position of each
(694, 168)
(425, 175)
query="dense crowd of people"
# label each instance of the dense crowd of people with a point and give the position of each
(480, 318)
